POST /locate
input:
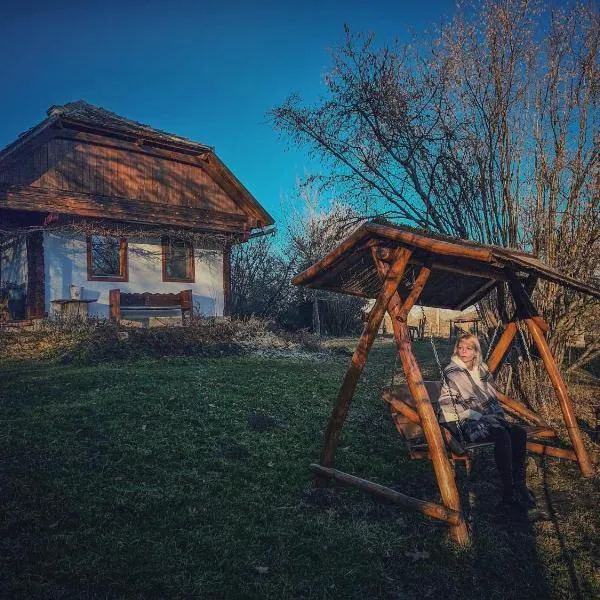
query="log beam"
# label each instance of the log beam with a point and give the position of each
(431, 509)
(402, 408)
(520, 409)
(538, 448)
(502, 346)
(566, 406)
(431, 428)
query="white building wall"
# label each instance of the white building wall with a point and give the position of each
(65, 259)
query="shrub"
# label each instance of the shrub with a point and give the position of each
(91, 340)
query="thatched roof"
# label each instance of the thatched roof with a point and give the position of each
(463, 272)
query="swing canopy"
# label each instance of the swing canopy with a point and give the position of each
(462, 272)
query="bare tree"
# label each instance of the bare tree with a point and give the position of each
(259, 279)
(311, 234)
(487, 131)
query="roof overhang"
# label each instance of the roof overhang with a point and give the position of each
(462, 272)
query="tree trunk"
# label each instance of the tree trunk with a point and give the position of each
(316, 319)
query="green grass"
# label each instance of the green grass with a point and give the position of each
(165, 479)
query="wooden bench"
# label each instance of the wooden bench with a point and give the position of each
(123, 303)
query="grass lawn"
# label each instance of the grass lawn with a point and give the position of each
(187, 478)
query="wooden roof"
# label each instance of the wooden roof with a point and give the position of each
(84, 124)
(463, 272)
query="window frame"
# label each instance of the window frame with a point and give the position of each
(123, 266)
(190, 263)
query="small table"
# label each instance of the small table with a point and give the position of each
(70, 309)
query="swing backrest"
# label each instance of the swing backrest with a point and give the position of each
(404, 425)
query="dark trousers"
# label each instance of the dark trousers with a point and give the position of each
(510, 452)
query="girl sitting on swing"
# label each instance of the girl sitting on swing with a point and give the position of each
(469, 409)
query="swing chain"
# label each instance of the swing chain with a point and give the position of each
(444, 379)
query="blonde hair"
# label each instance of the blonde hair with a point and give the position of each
(474, 340)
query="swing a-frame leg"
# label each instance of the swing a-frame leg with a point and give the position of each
(359, 358)
(527, 313)
(442, 467)
(388, 298)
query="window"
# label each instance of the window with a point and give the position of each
(107, 258)
(177, 261)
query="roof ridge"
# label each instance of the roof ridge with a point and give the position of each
(83, 111)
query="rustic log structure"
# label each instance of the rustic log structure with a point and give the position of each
(83, 161)
(399, 267)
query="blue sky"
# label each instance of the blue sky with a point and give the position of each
(207, 71)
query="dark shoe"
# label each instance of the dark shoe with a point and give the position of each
(513, 502)
(524, 494)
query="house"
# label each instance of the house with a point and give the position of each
(97, 201)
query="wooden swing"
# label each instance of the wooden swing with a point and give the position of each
(399, 266)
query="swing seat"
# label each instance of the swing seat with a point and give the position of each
(405, 417)
(406, 420)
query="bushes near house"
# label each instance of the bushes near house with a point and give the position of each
(90, 340)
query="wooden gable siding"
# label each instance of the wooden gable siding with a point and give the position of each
(82, 167)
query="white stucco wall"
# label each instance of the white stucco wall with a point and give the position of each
(65, 260)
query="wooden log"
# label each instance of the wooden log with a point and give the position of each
(520, 409)
(357, 363)
(431, 245)
(585, 464)
(428, 421)
(431, 428)
(431, 509)
(540, 432)
(538, 448)
(502, 346)
(541, 323)
(402, 407)
(415, 292)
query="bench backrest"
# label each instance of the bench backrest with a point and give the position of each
(409, 429)
(151, 300)
(146, 300)
(433, 388)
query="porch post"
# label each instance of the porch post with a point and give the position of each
(227, 280)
